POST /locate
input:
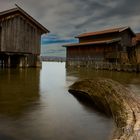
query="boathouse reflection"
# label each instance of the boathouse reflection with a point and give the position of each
(19, 90)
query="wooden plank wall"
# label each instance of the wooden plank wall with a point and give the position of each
(19, 35)
(137, 51)
(86, 53)
(98, 53)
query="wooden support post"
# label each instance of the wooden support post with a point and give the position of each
(26, 61)
(21, 62)
(9, 61)
(38, 62)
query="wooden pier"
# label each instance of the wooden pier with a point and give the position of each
(103, 65)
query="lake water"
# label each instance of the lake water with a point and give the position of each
(35, 104)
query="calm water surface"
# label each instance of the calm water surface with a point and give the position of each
(35, 104)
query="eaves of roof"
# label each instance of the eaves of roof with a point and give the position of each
(93, 43)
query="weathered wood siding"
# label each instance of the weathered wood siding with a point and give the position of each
(126, 43)
(94, 53)
(137, 53)
(98, 53)
(19, 35)
(126, 38)
(115, 51)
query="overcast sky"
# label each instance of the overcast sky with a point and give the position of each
(68, 18)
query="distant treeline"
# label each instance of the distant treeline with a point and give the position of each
(53, 58)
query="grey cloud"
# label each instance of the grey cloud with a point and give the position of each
(126, 9)
(68, 18)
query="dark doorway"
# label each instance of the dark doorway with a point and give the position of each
(15, 59)
(0, 38)
(1, 60)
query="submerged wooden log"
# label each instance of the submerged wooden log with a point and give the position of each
(112, 97)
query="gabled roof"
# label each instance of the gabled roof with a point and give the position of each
(20, 10)
(109, 41)
(113, 30)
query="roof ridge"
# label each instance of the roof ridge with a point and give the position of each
(124, 28)
(17, 8)
(25, 13)
(9, 10)
(117, 29)
(107, 41)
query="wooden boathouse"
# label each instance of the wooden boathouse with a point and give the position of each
(20, 39)
(101, 48)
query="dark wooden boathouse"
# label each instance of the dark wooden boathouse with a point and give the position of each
(20, 39)
(101, 47)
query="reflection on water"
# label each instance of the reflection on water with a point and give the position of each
(19, 89)
(35, 104)
(130, 80)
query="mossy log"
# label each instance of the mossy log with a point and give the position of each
(112, 97)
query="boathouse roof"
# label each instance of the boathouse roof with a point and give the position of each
(19, 10)
(107, 31)
(109, 41)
